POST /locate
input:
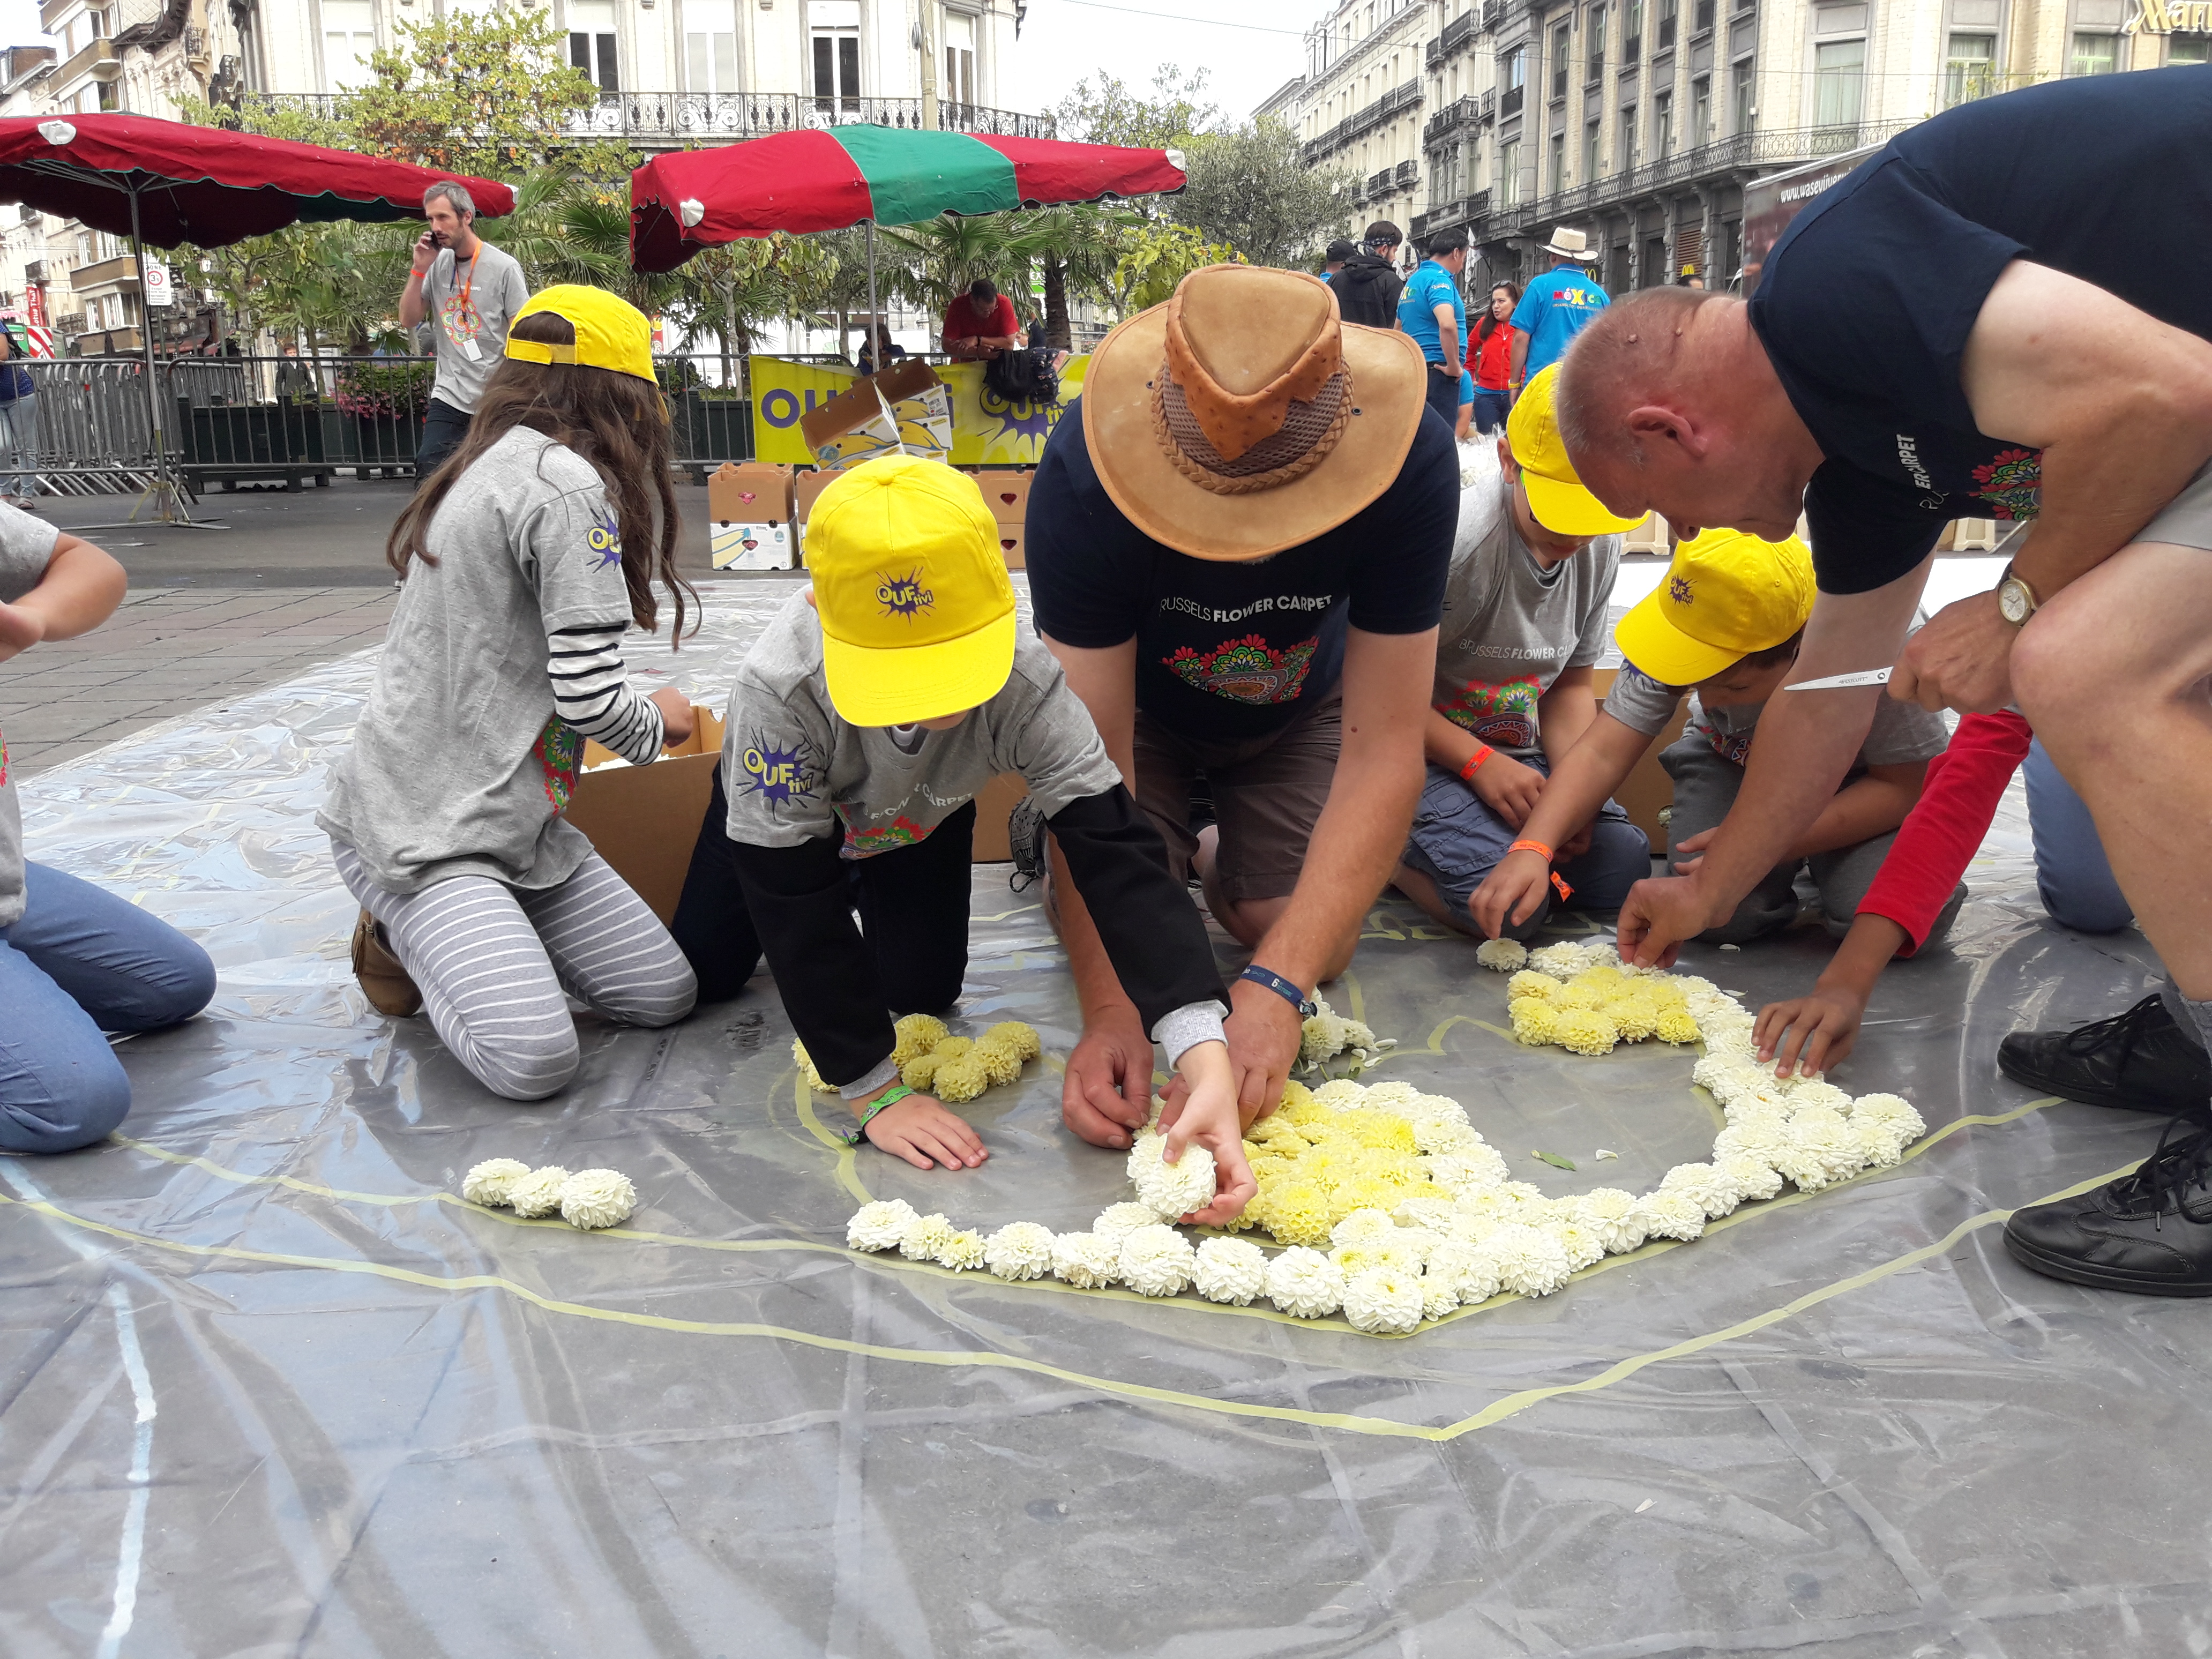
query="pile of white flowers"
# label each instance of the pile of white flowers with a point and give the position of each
(588, 1197)
(1328, 1034)
(1410, 1236)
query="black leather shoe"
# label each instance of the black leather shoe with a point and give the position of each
(2140, 1061)
(2150, 1232)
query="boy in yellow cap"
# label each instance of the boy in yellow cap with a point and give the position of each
(1724, 626)
(861, 724)
(1525, 622)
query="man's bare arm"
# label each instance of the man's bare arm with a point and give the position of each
(1519, 353)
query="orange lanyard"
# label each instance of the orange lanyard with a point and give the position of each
(461, 307)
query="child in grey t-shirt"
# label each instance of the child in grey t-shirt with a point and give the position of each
(1749, 601)
(525, 563)
(1524, 624)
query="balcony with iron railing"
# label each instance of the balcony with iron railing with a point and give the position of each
(1406, 175)
(1400, 98)
(1511, 99)
(1460, 113)
(1470, 210)
(1378, 185)
(1493, 15)
(675, 118)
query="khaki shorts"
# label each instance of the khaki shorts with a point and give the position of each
(2186, 520)
(1268, 795)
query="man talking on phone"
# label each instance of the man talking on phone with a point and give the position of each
(471, 291)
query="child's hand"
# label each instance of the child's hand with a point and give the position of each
(920, 1130)
(1206, 1113)
(1509, 789)
(1510, 893)
(1697, 844)
(19, 629)
(1811, 1033)
(677, 720)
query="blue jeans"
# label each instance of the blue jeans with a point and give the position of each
(1456, 839)
(1491, 409)
(444, 427)
(19, 431)
(78, 961)
(2071, 871)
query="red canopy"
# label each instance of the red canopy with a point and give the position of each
(207, 185)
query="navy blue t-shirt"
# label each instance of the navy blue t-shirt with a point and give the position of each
(1869, 297)
(1228, 650)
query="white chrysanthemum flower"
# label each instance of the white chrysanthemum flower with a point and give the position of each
(924, 1235)
(1325, 1036)
(1434, 1108)
(487, 1183)
(1670, 1215)
(1611, 1217)
(1820, 1134)
(1340, 1094)
(1145, 1148)
(1378, 1302)
(1395, 1095)
(961, 1249)
(1304, 1284)
(1019, 1250)
(1156, 1261)
(591, 1199)
(1583, 1245)
(1802, 1092)
(1754, 1177)
(880, 1225)
(1438, 1297)
(1879, 1145)
(1089, 1261)
(1708, 1185)
(538, 1193)
(1372, 1253)
(1894, 1110)
(1473, 1226)
(1530, 1262)
(1468, 1168)
(1231, 1270)
(1764, 1139)
(1443, 1135)
(1118, 1221)
(1561, 962)
(1172, 1191)
(1471, 1275)
(1434, 1214)
(1362, 1225)
(1501, 955)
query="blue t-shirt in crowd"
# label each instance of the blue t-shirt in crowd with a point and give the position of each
(1430, 286)
(1231, 649)
(1867, 300)
(14, 381)
(1557, 307)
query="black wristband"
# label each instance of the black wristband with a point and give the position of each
(1281, 987)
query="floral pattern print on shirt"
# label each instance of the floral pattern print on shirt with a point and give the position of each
(2012, 483)
(1503, 716)
(559, 748)
(1247, 670)
(903, 831)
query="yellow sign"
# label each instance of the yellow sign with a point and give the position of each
(2171, 17)
(986, 430)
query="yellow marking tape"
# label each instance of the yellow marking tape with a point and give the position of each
(1496, 1412)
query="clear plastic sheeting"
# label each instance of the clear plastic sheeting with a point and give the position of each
(267, 1386)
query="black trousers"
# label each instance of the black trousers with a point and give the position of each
(443, 428)
(912, 903)
(1444, 394)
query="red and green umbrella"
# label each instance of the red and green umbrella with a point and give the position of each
(830, 179)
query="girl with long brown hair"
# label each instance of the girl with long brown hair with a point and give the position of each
(525, 558)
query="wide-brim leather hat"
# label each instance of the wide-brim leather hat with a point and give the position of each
(1244, 417)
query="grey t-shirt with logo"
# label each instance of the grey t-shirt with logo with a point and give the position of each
(795, 770)
(459, 765)
(1510, 627)
(27, 548)
(472, 305)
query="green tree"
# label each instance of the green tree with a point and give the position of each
(1078, 249)
(1108, 112)
(1250, 188)
(1158, 257)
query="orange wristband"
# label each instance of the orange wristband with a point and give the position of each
(1531, 846)
(1483, 751)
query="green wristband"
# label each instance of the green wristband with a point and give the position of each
(890, 1096)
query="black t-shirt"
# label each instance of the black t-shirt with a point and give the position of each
(1232, 650)
(1869, 295)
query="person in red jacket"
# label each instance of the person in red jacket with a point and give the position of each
(980, 323)
(2141, 1059)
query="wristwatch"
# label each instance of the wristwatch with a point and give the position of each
(2016, 600)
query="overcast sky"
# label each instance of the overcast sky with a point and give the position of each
(1247, 48)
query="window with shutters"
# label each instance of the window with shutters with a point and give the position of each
(960, 60)
(710, 45)
(592, 42)
(833, 29)
(1838, 83)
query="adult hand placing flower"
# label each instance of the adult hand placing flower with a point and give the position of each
(1205, 1110)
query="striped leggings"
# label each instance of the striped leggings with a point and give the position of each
(493, 962)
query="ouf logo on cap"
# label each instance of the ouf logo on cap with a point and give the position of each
(1678, 589)
(904, 595)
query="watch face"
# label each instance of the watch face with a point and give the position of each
(2012, 602)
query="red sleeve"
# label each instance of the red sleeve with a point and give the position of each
(1010, 323)
(952, 330)
(1945, 829)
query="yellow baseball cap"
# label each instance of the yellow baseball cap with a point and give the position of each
(917, 610)
(1726, 595)
(610, 332)
(1556, 496)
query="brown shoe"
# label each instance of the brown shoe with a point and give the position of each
(389, 989)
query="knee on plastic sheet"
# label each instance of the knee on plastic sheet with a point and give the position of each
(528, 1075)
(71, 1100)
(173, 990)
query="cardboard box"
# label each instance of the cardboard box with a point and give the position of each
(1006, 493)
(752, 546)
(905, 408)
(992, 806)
(644, 820)
(749, 492)
(1011, 543)
(1648, 788)
(807, 490)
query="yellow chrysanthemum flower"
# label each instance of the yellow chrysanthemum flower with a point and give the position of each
(1576, 994)
(798, 1058)
(919, 1071)
(1385, 1131)
(1000, 1062)
(1298, 1213)
(1634, 1017)
(916, 1034)
(1676, 1025)
(959, 1078)
(1534, 1021)
(1586, 1031)
(1020, 1039)
(1530, 983)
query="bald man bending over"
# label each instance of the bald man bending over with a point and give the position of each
(1972, 324)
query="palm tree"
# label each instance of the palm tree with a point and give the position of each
(1077, 248)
